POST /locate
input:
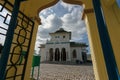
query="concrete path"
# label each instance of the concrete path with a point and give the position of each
(65, 72)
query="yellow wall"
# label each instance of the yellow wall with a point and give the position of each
(30, 56)
(112, 17)
(95, 47)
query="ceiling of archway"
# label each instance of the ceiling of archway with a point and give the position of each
(32, 7)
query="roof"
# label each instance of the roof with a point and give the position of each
(74, 44)
(61, 30)
(42, 46)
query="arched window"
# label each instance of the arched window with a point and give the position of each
(74, 53)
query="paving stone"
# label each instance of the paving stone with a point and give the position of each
(65, 72)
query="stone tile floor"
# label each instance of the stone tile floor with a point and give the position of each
(65, 72)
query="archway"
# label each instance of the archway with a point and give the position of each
(51, 54)
(63, 54)
(57, 54)
(98, 58)
(89, 17)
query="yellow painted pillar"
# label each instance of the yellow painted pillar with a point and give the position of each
(30, 56)
(112, 17)
(95, 47)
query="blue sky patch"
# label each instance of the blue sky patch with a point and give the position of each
(118, 2)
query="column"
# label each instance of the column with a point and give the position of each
(53, 54)
(60, 55)
(68, 57)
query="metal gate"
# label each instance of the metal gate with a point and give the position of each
(20, 46)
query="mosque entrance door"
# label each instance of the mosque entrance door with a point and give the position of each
(57, 54)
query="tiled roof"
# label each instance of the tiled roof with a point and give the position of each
(60, 30)
(74, 44)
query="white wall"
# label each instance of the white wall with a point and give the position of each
(60, 46)
(42, 54)
(78, 51)
(59, 37)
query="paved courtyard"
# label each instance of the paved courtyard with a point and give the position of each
(65, 72)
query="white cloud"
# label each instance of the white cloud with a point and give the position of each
(49, 24)
(4, 13)
(67, 6)
(70, 21)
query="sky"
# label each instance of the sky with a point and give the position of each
(62, 15)
(3, 13)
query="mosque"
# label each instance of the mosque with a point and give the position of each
(59, 48)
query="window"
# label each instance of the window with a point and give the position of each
(57, 36)
(74, 53)
(63, 36)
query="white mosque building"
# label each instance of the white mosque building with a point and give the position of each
(59, 48)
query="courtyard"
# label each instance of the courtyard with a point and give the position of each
(65, 72)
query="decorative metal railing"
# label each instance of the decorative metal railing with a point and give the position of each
(20, 46)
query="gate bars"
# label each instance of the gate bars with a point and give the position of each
(17, 42)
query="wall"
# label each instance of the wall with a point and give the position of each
(112, 17)
(78, 51)
(42, 54)
(60, 46)
(61, 39)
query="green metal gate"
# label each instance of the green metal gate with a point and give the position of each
(20, 46)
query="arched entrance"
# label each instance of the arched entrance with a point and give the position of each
(57, 54)
(63, 54)
(51, 54)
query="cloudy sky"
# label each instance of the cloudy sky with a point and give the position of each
(3, 13)
(62, 15)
